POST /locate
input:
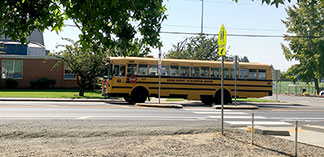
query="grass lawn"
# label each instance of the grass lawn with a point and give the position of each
(283, 87)
(49, 93)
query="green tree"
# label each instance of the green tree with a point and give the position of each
(85, 63)
(306, 21)
(196, 48)
(103, 23)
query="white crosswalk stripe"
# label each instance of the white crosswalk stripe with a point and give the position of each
(228, 113)
(257, 123)
(238, 118)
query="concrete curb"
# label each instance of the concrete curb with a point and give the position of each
(315, 128)
(159, 105)
(248, 107)
(60, 100)
(268, 131)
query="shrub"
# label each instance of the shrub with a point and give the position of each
(11, 83)
(42, 83)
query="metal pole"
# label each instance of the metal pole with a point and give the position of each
(277, 90)
(222, 94)
(296, 135)
(160, 66)
(252, 129)
(235, 76)
(202, 16)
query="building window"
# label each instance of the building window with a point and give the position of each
(68, 74)
(12, 69)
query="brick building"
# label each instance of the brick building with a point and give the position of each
(25, 68)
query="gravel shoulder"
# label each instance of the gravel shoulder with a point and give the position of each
(113, 138)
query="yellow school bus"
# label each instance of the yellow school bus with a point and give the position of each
(136, 79)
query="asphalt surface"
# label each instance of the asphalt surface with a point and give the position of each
(268, 114)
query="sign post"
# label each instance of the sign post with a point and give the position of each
(236, 66)
(222, 52)
(276, 77)
(159, 71)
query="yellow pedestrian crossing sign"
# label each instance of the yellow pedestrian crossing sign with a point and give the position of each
(222, 36)
(222, 50)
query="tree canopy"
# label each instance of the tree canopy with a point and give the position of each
(196, 48)
(306, 21)
(103, 23)
(84, 63)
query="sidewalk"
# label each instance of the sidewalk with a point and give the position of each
(60, 99)
(315, 138)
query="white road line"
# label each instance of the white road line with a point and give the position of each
(295, 118)
(84, 117)
(87, 117)
(257, 123)
(212, 110)
(221, 113)
(238, 117)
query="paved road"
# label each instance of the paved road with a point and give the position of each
(120, 111)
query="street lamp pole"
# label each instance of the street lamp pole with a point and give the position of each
(202, 16)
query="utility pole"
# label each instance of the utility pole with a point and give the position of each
(202, 17)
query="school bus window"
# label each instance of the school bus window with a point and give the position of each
(153, 70)
(215, 72)
(174, 71)
(204, 71)
(185, 71)
(165, 70)
(262, 74)
(243, 73)
(131, 69)
(226, 73)
(115, 70)
(252, 74)
(119, 70)
(194, 71)
(233, 73)
(142, 69)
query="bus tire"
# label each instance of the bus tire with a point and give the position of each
(128, 99)
(139, 95)
(207, 100)
(227, 97)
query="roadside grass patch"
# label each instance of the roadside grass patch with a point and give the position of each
(50, 93)
(175, 99)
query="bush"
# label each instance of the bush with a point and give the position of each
(11, 83)
(42, 83)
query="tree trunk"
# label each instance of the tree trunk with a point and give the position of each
(81, 92)
(316, 86)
